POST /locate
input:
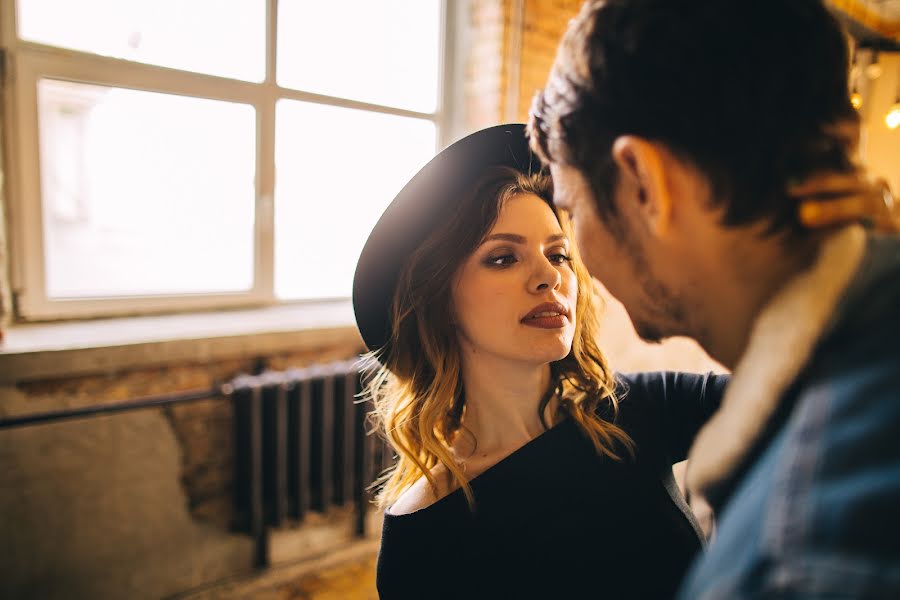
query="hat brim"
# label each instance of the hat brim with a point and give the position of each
(417, 209)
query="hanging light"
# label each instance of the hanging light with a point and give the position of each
(892, 119)
(856, 99)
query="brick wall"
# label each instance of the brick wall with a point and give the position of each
(487, 62)
(492, 56)
(543, 25)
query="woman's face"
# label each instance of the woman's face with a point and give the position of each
(514, 298)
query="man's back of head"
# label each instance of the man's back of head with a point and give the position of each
(687, 121)
(752, 93)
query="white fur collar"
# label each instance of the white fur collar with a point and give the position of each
(783, 337)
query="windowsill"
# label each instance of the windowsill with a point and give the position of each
(48, 350)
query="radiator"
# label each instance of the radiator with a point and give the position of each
(302, 446)
(301, 443)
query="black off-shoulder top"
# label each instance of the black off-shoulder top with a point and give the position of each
(556, 520)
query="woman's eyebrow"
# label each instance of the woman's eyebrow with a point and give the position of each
(519, 239)
(556, 237)
(508, 237)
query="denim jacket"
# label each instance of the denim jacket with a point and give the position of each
(802, 462)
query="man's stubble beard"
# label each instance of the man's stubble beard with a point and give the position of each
(662, 311)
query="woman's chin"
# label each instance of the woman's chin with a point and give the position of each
(552, 354)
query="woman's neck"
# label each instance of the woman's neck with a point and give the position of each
(502, 401)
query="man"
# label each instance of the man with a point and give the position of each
(682, 136)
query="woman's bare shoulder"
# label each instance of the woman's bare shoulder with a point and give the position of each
(421, 495)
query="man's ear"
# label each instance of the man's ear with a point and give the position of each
(642, 178)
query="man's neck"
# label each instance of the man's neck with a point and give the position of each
(747, 271)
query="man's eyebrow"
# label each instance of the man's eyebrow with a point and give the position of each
(518, 239)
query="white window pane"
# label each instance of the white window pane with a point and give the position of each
(145, 193)
(217, 37)
(384, 51)
(337, 170)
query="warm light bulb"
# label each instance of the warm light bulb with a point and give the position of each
(856, 99)
(892, 119)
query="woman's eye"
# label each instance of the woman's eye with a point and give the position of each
(559, 259)
(501, 261)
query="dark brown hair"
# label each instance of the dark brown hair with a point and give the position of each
(748, 92)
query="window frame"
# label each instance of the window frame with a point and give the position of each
(24, 63)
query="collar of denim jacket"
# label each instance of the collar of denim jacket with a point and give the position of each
(781, 343)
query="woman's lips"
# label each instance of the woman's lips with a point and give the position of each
(554, 322)
(547, 315)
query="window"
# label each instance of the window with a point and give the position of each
(172, 154)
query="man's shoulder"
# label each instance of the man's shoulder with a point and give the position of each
(815, 512)
(836, 477)
(875, 290)
(865, 327)
(854, 390)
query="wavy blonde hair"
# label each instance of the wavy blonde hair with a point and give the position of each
(416, 381)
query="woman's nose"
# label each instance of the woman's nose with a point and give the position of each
(546, 276)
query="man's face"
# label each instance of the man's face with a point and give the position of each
(620, 262)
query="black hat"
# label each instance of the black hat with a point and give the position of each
(420, 206)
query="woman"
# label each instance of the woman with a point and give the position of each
(525, 467)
